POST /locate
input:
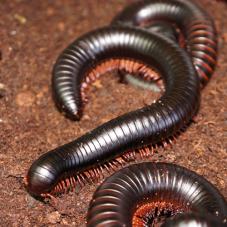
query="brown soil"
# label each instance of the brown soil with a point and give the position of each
(33, 33)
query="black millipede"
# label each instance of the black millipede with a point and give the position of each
(147, 194)
(194, 24)
(64, 166)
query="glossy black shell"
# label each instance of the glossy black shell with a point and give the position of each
(116, 199)
(193, 21)
(149, 125)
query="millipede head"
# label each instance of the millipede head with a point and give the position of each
(42, 175)
(37, 184)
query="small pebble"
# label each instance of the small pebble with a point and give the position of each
(61, 26)
(21, 19)
(50, 11)
(13, 32)
(25, 99)
(222, 183)
(53, 217)
(64, 222)
(86, 117)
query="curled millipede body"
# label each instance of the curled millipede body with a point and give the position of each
(91, 55)
(64, 166)
(194, 23)
(144, 194)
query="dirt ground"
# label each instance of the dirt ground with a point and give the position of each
(32, 34)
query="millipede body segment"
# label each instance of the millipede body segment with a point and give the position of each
(194, 23)
(152, 124)
(146, 194)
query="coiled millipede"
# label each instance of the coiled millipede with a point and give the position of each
(145, 194)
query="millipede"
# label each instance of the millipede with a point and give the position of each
(147, 194)
(113, 142)
(193, 22)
